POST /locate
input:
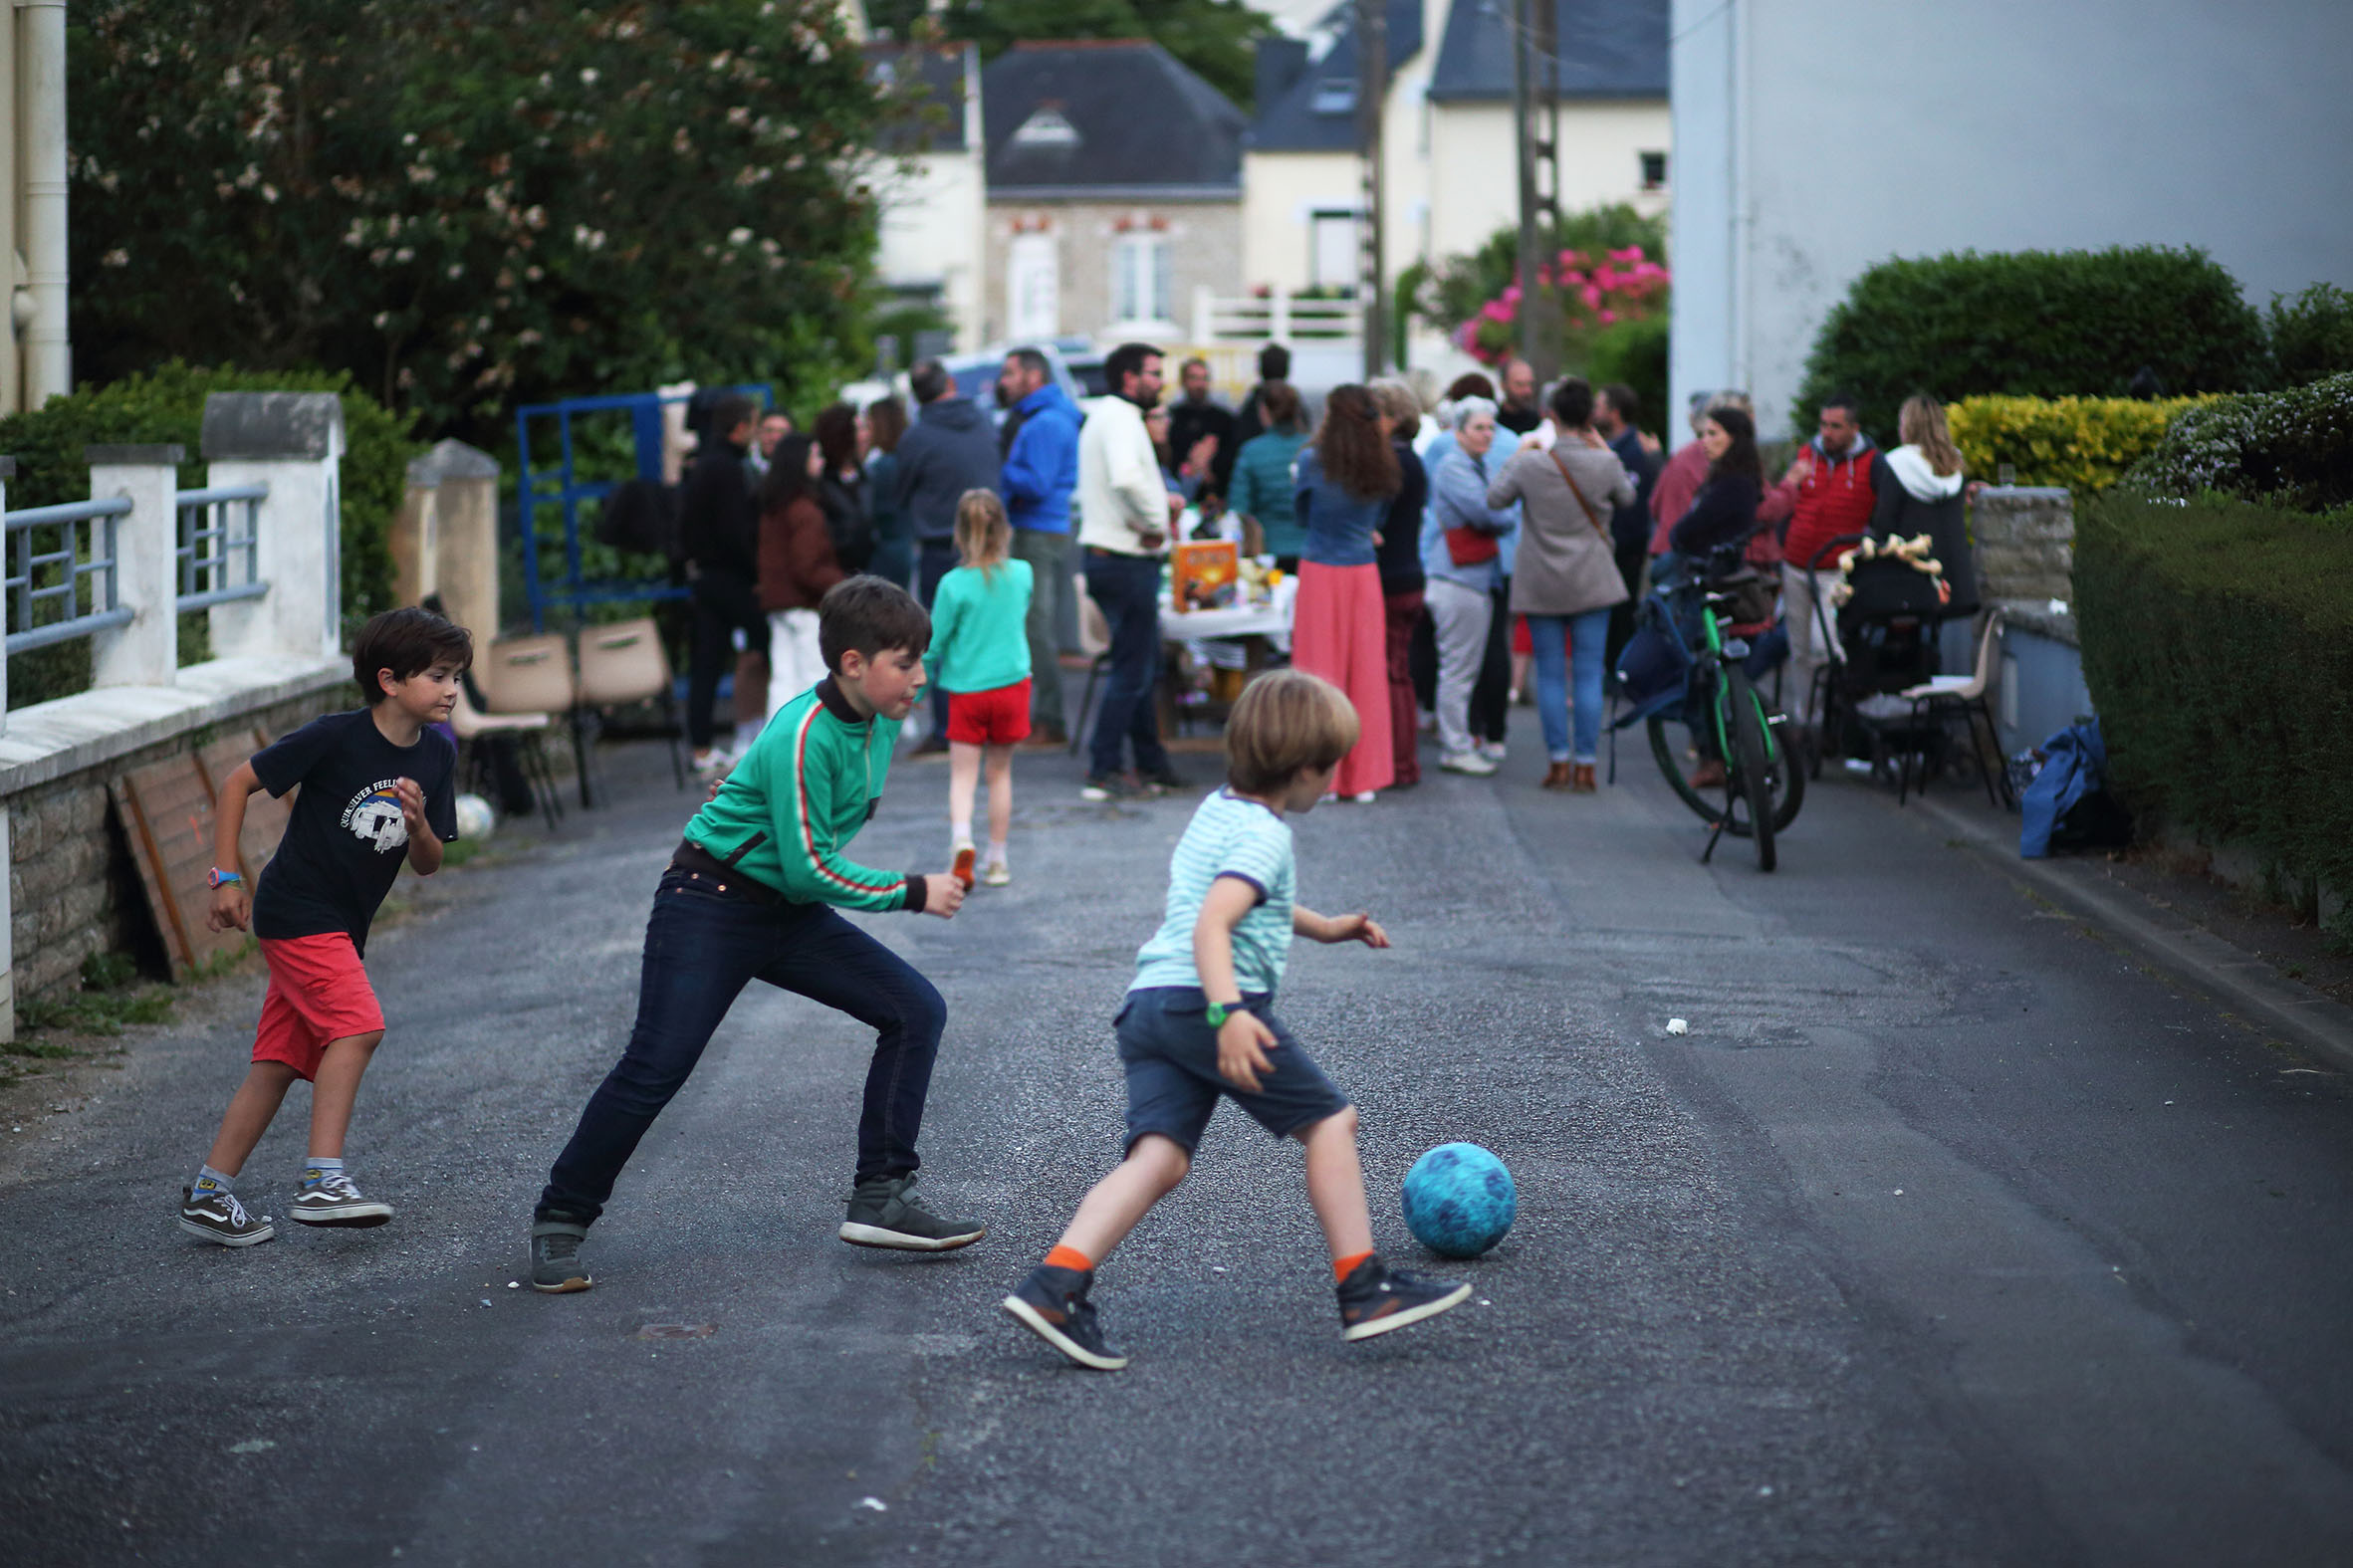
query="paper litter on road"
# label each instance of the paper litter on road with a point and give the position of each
(1678, 1027)
(875, 1503)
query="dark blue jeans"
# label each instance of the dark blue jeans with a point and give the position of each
(701, 948)
(1127, 588)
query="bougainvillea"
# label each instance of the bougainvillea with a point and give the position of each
(1619, 285)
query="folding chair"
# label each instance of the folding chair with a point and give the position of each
(1937, 699)
(474, 728)
(534, 675)
(624, 663)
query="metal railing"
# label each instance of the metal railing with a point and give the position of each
(40, 577)
(210, 545)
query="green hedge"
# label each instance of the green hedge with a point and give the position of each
(2312, 335)
(2040, 324)
(168, 405)
(1635, 353)
(2218, 644)
(2086, 444)
(2294, 448)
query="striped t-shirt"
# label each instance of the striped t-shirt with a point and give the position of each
(1228, 836)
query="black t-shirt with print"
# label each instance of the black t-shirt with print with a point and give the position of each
(346, 840)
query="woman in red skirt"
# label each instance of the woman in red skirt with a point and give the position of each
(1339, 624)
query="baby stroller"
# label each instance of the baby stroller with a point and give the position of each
(1885, 642)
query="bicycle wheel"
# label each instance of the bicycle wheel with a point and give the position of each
(1750, 775)
(1663, 751)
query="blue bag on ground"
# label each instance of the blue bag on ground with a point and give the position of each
(2067, 804)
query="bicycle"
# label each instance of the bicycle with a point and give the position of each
(1763, 785)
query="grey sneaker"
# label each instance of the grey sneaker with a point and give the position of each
(556, 1266)
(332, 1199)
(1051, 1303)
(885, 1212)
(1376, 1299)
(218, 1217)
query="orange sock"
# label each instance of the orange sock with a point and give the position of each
(1069, 1257)
(1342, 1267)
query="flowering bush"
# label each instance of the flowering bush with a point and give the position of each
(1620, 285)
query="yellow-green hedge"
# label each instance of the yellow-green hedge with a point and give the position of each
(2082, 444)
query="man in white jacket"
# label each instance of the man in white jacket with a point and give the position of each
(1124, 514)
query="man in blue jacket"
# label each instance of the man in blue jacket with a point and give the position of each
(1039, 440)
(951, 448)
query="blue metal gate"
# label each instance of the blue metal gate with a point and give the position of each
(557, 485)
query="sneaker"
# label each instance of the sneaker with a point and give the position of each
(218, 1217)
(1494, 750)
(1051, 1303)
(996, 875)
(885, 1212)
(1165, 778)
(1470, 763)
(556, 1266)
(1364, 798)
(332, 1199)
(1107, 787)
(711, 760)
(1376, 1299)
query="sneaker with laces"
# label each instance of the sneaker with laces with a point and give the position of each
(887, 1212)
(332, 1199)
(218, 1217)
(995, 873)
(1470, 763)
(1051, 1303)
(1494, 750)
(556, 1266)
(1376, 1299)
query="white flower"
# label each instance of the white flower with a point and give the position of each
(115, 258)
(587, 76)
(739, 236)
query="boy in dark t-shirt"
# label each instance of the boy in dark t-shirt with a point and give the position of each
(375, 782)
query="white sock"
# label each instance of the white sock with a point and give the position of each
(209, 1180)
(319, 1166)
(996, 851)
(959, 832)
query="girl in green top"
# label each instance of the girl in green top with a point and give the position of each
(980, 655)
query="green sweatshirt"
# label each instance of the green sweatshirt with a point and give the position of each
(799, 797)
(980, 636)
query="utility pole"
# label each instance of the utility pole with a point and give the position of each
(1536, 111)
(1372, 80)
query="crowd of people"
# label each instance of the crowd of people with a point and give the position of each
(1451, 561)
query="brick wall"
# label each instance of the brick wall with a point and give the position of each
(74, 889)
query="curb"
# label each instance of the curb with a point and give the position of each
(2258, 993)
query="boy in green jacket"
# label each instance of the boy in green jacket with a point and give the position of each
(751, 895)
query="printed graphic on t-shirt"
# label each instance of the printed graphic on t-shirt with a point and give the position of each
(374, 817)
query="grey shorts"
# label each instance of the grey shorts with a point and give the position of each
(1171, 1056)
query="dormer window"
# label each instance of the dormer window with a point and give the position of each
(1047, 128)
(1335, 96)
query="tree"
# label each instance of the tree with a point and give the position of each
(468, 204)
(1216, 38)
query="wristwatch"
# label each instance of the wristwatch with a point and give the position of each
(216, 877)
(1219, 1010)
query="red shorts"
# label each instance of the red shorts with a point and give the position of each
(991, 718)
(318, 993)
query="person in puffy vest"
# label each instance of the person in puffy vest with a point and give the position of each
(1831, 489)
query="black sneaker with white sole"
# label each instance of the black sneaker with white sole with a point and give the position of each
(332, 1199)
(1110, 786)
(556, 1266)
(885, 1212)
(218, 1217)
(1376, 1299)
(1051, 1303)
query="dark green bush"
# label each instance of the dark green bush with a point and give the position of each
(2312, 335)
(168, 405)
(1635, 353)
(2293, 448)
(2218, 644)
(2039, 323)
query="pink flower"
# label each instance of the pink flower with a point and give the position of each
(1605, 276)
(1591, 296)
(1632, 253)
(1571, 278)
(1511, 294)
(1609, 316)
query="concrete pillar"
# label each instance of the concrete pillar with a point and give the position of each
(294, 443)
(145, 652)
(415, 540)
(2025, 543)
(464, 567)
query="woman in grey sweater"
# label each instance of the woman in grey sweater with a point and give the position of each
(1566, 577)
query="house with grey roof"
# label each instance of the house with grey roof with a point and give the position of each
(930, 182)
(1451, 161)
(1114, 190)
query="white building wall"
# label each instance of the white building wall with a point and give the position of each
(1995, 125)
(1475, 181)
(1279, 191)
(934, 232)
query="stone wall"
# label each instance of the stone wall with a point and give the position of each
(2025, 543)
(74, 889)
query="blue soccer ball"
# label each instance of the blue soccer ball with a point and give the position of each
(1458, 1200)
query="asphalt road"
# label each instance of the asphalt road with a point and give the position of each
(1948, 1235)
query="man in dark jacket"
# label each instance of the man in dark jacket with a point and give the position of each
(1250, 420)
(1194, 417)
(1629, 525)
(951, 448)
(1040, 442)
(718, 529)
